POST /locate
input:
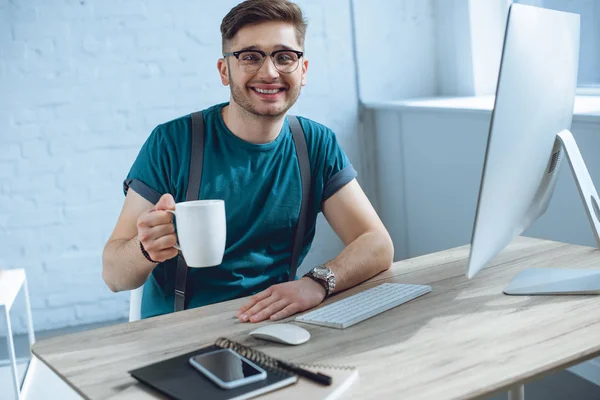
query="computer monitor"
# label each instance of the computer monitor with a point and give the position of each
(529, 132)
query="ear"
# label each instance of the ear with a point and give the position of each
(304, 69)
(223, 71)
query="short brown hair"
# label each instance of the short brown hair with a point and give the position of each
(256, 11)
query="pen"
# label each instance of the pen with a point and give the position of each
(264, 359)
(315, 377)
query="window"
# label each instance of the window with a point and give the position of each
(589, 50)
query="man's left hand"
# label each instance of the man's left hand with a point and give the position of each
(282, 300)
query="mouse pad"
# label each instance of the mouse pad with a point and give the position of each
(177, 379)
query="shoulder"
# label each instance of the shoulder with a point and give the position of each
(214, 111)
(177, 132)
(315, 130)
(168, 137)
(318, 136)
(171, 131)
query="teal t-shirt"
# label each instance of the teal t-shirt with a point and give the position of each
(262, 189)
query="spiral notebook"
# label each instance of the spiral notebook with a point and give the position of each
(177, 379)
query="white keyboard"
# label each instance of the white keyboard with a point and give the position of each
(358, 307)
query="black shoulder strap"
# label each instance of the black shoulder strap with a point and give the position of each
(305, 176)
(193, 192)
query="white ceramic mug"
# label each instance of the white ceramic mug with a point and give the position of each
(201, 232)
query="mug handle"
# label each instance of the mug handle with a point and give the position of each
(175, 215)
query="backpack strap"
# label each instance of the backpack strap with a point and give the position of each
(193, 192)
(305, 176)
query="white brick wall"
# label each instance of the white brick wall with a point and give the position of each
(396, 47)
(82, 84)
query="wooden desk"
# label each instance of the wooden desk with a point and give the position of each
(465, 339)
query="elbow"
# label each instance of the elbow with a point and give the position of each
(110, 285)
(108, 281)
(106, 275)
(387, 251)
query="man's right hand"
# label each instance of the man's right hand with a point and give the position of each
(156, 230)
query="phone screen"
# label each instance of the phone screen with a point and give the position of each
(226, 365)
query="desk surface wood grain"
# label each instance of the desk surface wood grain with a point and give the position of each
(465, 339)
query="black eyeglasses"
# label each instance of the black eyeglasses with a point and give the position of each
(285, 61)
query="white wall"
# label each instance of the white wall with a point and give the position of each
(82, 85)
(396, 48)
(454, 51)
(424, 48)
(589, 10)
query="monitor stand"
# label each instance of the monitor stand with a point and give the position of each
(548, 281)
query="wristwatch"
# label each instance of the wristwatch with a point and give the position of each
(323, 275)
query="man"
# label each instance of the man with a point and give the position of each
(250, 162)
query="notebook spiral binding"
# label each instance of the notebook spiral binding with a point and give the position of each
(266, 361)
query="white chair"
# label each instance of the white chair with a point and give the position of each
(135, 304)
(12, 282)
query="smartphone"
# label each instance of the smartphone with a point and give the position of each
(227, 368)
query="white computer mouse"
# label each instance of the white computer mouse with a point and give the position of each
(282, 333)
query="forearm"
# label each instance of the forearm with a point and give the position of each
(368, 255)
(123, 265)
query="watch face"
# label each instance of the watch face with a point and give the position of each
(321, 271)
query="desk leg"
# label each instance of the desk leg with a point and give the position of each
(516, 393)
(11, 352)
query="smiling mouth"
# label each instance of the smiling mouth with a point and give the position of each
(267, 91)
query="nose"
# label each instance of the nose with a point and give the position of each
(268, 70)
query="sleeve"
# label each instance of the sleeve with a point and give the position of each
(337, 170)
(149, 173)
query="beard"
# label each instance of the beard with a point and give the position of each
(242, 98)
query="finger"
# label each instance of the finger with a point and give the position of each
(258, 307)
(166, 202)
(154, 218)
(253, 300)
(286, 312)
(147, 235)
(164, 255)
(261, 305)
(163, 230)
(162, 249)
(270, 310)
(162, 243)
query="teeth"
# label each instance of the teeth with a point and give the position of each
(263, 91)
